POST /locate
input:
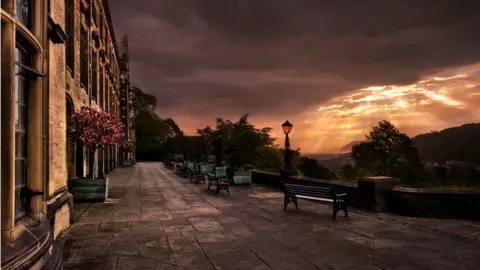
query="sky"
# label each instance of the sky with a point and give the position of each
(332, 68)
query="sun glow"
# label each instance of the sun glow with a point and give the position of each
(432, 103)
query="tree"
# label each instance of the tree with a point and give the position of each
(388, 152)
(237, 142)
(156, 137)
(142, 101)
(311, 168)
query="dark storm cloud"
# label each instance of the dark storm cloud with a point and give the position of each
(268, 56)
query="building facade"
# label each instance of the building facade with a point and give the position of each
(57, 56)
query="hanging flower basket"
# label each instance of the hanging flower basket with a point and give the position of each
(97, 129)
(127, 146)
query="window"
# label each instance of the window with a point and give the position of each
(84, 58)
(94, 14)
(24, 12)
(94, 74)
(21, 108)
(70, 46)
(102, 98)
(102, 31)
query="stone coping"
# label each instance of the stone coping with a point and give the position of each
(436, 191)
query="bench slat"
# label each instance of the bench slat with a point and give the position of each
(310, 191)
(309, 187)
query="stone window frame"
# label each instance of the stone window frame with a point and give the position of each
(94, 73)
(21, 145)
(84, 52)
(102, 86)
(70, 30)
(13, 228)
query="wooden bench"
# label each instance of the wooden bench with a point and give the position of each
(242, 178)
(198, 173)
(219, 178)
(294, 191)
(182, 169)
(190, 169)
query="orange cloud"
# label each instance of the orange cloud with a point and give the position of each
(441, 100)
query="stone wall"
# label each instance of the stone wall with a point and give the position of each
(459, 204)
(379, 194)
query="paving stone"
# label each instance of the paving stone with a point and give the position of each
(141, 263)
(124, 247)
(156, 220)
(175, 222)
(158, 253)
(159, 215)
(72, 243)
(192, 259)
(179, 228)
(237, 260)
(99, 263)
(91, 253)
(183, 243)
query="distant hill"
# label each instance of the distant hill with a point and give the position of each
(452, 144)
(336, 162)
(348, 147)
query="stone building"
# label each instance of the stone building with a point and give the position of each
(57, 56)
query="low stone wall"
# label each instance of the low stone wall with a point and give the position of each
(378, 194)
(459, 204)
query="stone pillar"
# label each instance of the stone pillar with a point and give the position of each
(34, 141)
(106, 168)
(101, 170)
(373, 192)
(7, 125)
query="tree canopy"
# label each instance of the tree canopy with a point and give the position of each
(388, 152)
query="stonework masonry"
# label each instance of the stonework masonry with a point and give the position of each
(36, 206)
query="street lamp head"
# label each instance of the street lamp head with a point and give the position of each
(287, 127)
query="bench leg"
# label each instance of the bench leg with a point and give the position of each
(288, 199)
(285, 202)
(218, 187)
(209, 184)
(344, 207)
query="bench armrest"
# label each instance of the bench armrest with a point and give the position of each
(341, 195)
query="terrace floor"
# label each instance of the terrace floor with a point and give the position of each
(154, 219)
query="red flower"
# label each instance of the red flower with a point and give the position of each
(96, 128)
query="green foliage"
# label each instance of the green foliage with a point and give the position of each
(311, 168)
(459, 144)
(388, 152)
(155, 137)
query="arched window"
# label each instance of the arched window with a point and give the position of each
(22, 86)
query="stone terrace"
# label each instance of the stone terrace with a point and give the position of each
(156, 220)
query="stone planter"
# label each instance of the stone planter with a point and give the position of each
(89, 190)
(127, 163)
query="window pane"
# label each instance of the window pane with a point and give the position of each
(21, 98)
(20, 172)
(23, 10)
(19, 209)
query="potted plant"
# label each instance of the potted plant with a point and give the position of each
(97, 129)
(126, 148)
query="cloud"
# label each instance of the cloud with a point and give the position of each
(434, 102)
(279, 59)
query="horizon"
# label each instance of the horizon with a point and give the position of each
(420, 72)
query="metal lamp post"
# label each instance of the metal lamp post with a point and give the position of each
(287, 128)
